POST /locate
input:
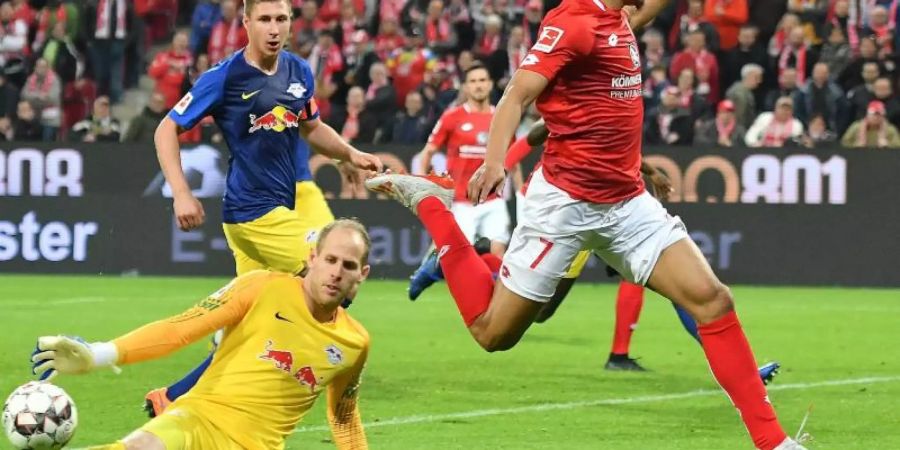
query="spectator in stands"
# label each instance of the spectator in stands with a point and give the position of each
(812, 15)
(354, 122)
(169, 68)
(509, 58)
(381, 98)
(206, 15)
(360, 60)
(62, 55)
(108, 22)
(693, 96)
(860, 96)
(462, 23)
(654, 86)
(306, 26)
(534, 13)
(349, 22)
(818, 134)
(835, 52)
(872, 131)
(798, 55)
(330, 10)
(99, 127)
(409, 65)
(748, 50)
(775, 128)
(669, 123)
(13, 44)
(23, 11)
(695, 56)
(741, 94)
(852, 77)
(228, 35)
(692, 20)
(727, 16)
(724, 130)
(490, 38)
(201, 65)
(654, 53)
(389, 39)
(142, 127)
(840, 17)
(881, 28)
(43, 90)
(410, 126)
(779, 40)
(787, 87)
(821, 97)
(26, 127)
(9, 98)
(326, 63)
(6, 129)
(884, 92)
(440, 37)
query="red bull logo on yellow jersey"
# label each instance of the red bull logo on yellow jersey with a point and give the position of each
(278, 119)
(282, 359)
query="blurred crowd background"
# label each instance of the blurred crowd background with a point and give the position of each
(729, 73)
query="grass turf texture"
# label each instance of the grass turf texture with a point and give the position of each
(423, 363)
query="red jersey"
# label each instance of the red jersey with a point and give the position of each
(593, 104)
(464, 134)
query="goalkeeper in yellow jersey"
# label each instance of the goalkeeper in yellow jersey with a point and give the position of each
(286, 340)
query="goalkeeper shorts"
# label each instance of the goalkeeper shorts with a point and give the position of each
(181, 428)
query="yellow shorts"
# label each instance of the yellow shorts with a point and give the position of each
(281, 239)
(311, 207)
(182, 428)
(578, 264)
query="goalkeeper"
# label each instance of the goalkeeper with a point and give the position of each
(286, 340)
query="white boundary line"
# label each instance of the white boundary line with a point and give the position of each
(430, 418)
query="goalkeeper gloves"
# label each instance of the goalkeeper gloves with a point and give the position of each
(63, 354)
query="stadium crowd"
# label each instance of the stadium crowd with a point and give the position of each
(754, 73)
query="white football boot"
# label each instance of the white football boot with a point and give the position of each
(409, 190)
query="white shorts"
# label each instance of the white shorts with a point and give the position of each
(554, 227)
(489, 219)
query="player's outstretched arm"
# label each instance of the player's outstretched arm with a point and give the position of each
(343, 408)
(188, 210)
(225, 307)
(328, 142)
(647, 10)
(522, 89)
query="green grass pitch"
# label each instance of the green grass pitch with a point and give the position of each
(428, 385)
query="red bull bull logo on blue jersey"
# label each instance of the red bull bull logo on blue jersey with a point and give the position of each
(278, 119)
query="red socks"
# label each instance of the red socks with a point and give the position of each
(493, 262)
(467, 275)
(629, 302)
(734, 368)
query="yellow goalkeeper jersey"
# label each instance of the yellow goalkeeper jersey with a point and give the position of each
(272, 363)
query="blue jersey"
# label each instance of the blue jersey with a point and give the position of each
(301, 165)
(259, 116)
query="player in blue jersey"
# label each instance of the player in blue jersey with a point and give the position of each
(261, 97)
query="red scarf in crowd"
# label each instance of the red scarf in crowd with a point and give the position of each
(36, 83)
(489, 44)
(725, 129)
(44, 23)
(104, 9)
(437, 30)
(777, 133)
(799, 61)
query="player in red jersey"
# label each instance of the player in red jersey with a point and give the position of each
(463, 131)
(585, 73)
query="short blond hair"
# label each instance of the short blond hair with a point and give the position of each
(249, 4)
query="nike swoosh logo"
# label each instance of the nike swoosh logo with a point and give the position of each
(280, 317)
(246, 96)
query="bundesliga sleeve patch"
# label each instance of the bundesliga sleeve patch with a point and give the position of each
(183, 104)
(548, 39)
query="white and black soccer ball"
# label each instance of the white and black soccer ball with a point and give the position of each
(39, 416)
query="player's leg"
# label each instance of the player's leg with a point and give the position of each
(276, 240)
(564, 286)
(629, 301)
(429, 271)
(496, 317)
(646, 245)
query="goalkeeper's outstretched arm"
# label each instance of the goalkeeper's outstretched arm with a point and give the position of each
(223, 308)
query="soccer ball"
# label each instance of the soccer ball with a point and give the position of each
(39, 416)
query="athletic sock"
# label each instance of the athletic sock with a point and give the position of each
(467, 274)
(629, 301)
(734, 368)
